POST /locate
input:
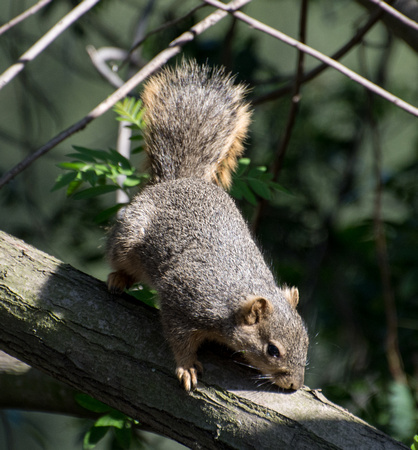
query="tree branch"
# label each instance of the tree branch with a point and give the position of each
(46, 40)
(23, 387)
(162, 27)
(21, 17)
(361, 32)
(291, 119)
(408, 8)
(320, 56)
(66, 324)
(396, 14)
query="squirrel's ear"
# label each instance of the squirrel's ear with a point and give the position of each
(291, 295)
(255, 309)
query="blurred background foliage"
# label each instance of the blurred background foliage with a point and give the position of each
(350, 175)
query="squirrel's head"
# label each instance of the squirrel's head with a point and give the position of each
(273, 338)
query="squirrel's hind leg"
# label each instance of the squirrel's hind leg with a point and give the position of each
(118, 281)
(128, 271)
(124, 252)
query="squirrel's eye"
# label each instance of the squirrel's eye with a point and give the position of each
(273, 351)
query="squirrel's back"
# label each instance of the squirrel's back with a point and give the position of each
(196, 120)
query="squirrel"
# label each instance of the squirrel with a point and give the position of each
(184, 235)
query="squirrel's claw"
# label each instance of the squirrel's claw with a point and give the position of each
(188, 375)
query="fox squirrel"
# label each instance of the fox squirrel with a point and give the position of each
(184, 235)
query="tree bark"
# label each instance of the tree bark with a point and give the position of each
(65, 323)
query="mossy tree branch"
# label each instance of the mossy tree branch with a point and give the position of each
(66, 324)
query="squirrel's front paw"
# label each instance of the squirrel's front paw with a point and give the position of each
(188, 375)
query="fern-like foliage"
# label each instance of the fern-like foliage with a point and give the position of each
(97, 172)
(250, 182)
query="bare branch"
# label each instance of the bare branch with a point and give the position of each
(46, 40)
(21, 17)
(294, 106)
(277, 167)
(99, 58)
(318, 55)
(157, 62)
(395, 13)
(393, 353)
(408, 8)
(158, 29)
(361, 32)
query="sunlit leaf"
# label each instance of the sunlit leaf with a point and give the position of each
(112, 419)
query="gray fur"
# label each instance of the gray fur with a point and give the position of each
(186, 237)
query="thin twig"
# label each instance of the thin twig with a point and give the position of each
(318, 55)
(157, 62)
(21, 17)
(277, 167)
(164, 26)
(46, 40)
(395, 13)
(99, 58)
(294, 106)
(392, 347)
(361, 32)
(393, 354)
(123, 145)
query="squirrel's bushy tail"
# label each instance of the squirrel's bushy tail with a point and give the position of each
(196, 120)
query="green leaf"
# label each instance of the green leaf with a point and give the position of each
(131, 181)
(75, 165)
(93, 436)
(278, 187)
(260, 188)
(95, 191)
(256, 172)
(236, 190)
(243, 165)
(130, 110)
(64, 180)
(248, 194)
(102, 169)
(81, 157)
(73, 186)
(107, 213)
(402, 410)
(117, 158)
(90, 176)
(91, 403)
(414, 445)
(123, 436)
(137, 137)
(267, 176)
(112, 419)
(137, 150)
(145, 295)
(96, 154)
